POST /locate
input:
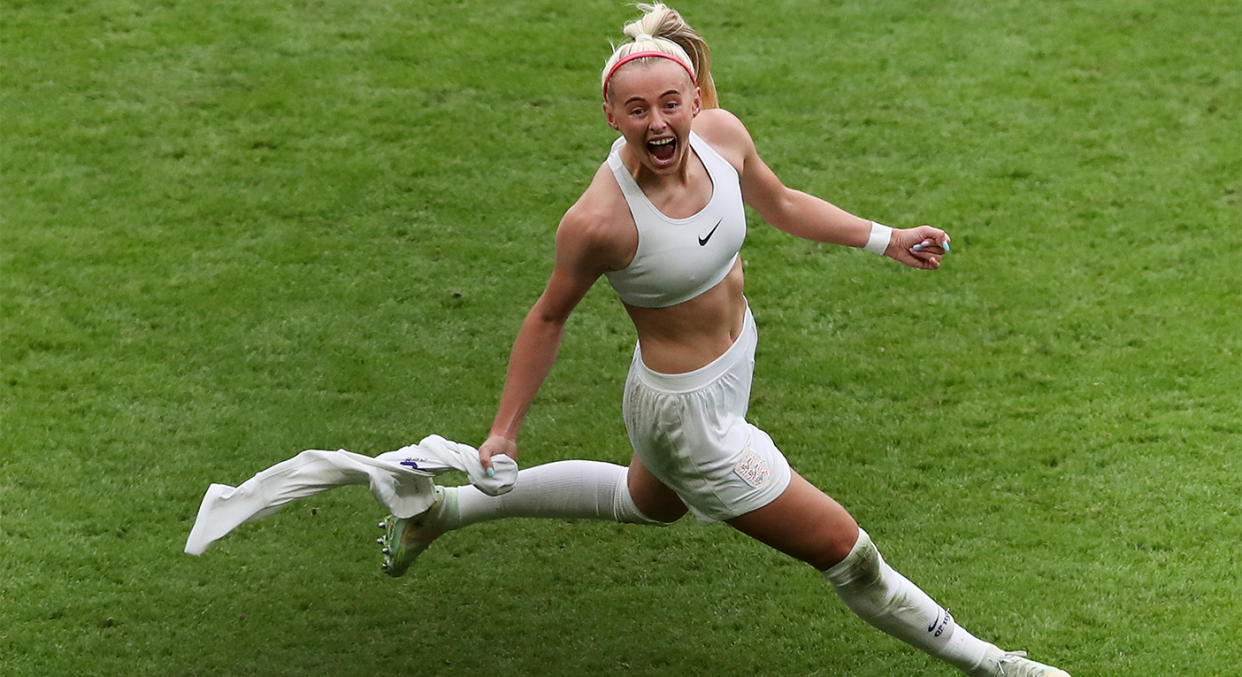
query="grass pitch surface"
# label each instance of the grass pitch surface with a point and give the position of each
(230, 231)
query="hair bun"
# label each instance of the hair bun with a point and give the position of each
(663, 26)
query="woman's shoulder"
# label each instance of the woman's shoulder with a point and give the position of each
(725, 133)
(600, 221)
(718, 124)
(600, 202)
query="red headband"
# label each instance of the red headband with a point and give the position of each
(641, 55)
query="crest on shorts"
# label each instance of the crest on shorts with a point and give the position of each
(753, 470)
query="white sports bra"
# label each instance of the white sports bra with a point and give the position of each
(678, 259)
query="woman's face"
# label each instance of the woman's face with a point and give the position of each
(653, 103)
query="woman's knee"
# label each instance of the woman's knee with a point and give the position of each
(804, 523)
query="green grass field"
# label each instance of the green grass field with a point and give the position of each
(230, 231)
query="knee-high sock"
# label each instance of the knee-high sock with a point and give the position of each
(560, 490)
(890, 602)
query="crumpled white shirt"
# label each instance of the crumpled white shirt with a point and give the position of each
(400, 480)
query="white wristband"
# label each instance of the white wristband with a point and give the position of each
(877, 242)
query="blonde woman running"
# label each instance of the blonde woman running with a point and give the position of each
(663, 220)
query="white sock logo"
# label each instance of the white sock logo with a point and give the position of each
(938, 626)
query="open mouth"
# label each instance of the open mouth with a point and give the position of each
(663, 149)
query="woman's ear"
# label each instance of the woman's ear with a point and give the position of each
(612, 122)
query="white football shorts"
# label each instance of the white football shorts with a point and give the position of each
(690, 431)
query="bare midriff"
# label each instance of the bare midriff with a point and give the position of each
(692, 334)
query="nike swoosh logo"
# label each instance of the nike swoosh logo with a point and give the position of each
(703, 240)
(942, 621)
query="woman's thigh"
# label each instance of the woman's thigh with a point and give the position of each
(804, 523)
(653, 498)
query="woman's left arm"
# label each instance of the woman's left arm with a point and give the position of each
(812, 218)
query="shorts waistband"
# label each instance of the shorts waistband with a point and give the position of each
(693, 380)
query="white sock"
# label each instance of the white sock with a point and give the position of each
(560, 490)
(885, 599)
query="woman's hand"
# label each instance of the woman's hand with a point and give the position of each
(496, 445)
(920, 247)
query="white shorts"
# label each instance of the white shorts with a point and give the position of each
(690, 431)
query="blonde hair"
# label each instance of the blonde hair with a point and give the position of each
(661, 29)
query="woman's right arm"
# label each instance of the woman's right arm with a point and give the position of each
(584, 250)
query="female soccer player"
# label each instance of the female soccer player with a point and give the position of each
(663, 220)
